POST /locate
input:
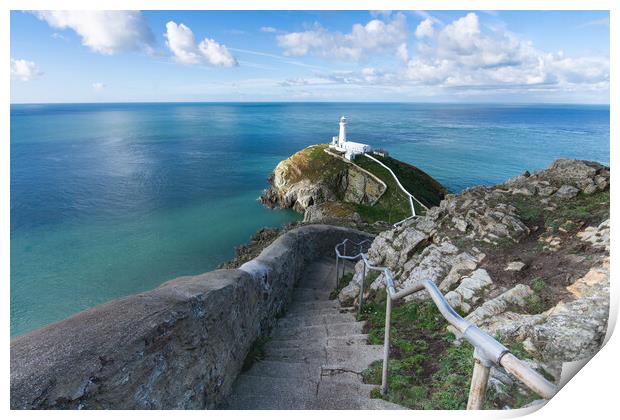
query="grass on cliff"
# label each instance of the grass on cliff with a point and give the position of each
(590, 209)
(423, 187)
(393, 204)
(426, 371)
(316, 165)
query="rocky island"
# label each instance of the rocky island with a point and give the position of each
(325, 186)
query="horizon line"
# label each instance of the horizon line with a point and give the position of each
(309, 102)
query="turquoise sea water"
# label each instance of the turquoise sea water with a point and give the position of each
(113, 199)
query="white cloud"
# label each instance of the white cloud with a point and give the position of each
(461, 58)
(596, 22)
(24, 70)
(216, 54)
(98, 86)
(381, 13)
(425, 15)
(268, 29)
(181, 41)
(375, 36)
(462, 55)
(425, 29)
(105, 32)
(402, 52)
(299, 81)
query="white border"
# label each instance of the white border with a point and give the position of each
(591, 394)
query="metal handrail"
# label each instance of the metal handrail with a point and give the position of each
(488, 351)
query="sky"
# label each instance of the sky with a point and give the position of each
(372, 56)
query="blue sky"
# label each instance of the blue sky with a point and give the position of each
(432, 56)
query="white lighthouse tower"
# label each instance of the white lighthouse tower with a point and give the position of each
(349, 148)
(342, 135)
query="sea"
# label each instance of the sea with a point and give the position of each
(109, 200)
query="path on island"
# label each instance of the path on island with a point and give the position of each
(314, 357)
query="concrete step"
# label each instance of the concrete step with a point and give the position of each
(347, 340)
(316, 343)
(259, 392)
(324, 280)
(319, 331)
(328, 357)
(285, 369)
(266, 402)
(313, 305)
(302, 320)
(315, 355)
(379, 404)
(320, 311)
(301, 294)
(354, 358)
(342, 395)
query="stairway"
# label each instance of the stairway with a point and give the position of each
(314, 357)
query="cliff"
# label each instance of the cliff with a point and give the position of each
(526, 260)
(324, 186)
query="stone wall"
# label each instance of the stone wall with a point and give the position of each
(180, 345)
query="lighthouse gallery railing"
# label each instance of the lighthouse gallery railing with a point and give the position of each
(487, 350)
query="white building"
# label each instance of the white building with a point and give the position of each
(350, 148)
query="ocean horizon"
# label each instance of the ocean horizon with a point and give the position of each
(112, 199)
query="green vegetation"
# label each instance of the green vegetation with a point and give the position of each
(529, 208)
(393, 204)
(538, 284)
(535, 305)
(426, 370)
(590, 209)
(420, 184)
(516, 349)
(342, 283)
(315, 165)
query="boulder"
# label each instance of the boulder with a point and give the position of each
(566, 192)
(515, 266)
(598, 236)
(514, 297)
(470, 290)
(463, 265)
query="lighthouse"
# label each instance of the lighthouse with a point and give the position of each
(350, 149)
(342, 135)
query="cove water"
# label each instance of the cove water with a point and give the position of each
(113, 199)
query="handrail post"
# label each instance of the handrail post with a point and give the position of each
(386, 345)
(337, 269)
(361, 299)
(479, 381)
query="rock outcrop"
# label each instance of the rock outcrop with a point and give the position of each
(312, 176)
(526, 260)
